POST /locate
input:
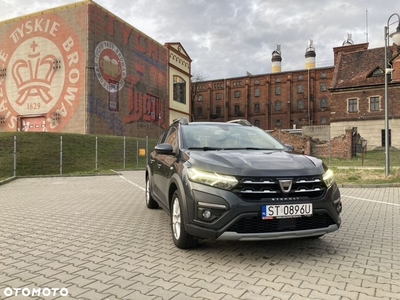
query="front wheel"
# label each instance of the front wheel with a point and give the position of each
(181, 238)
(150, 202)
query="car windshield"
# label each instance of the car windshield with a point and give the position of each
(227, 136)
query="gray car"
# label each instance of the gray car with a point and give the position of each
(234, 181)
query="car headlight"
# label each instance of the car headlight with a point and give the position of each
(213, 179)
(328, 178)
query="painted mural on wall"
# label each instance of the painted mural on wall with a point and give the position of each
(42, 65)
(132, 68)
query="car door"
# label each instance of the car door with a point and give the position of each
(155, 167)
(164, 163)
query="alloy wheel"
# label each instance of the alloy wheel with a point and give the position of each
(176, 218)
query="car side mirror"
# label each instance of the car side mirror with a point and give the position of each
(290, 148)
(164, 148)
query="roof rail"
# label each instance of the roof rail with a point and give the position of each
(183, 121)
(241, 122)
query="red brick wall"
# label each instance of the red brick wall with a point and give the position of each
(339, 147)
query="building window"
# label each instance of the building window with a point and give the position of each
(324, 103)
(277, 80)
(257, 93)
(278, 123)
(199, 112)
(237, 109)
(257, 82)
(300, 121)
(300, 89)
(218, 110)
(278, 106)
(113, 99)
(257, 107)
(300, 104)
(352, 105)
(323, 120)
(218, 96)
(323, 75)
(323, 87)
(200, 98)
(237, 94)
(300, 77)
(257, 123)
(179, 89)
(278, 90)
(374, 104)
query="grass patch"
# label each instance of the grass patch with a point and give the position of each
(40, 153)
(367, 169)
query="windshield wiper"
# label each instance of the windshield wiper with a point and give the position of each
(204, 148)
(250, 148)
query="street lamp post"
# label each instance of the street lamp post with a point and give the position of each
(396, 39)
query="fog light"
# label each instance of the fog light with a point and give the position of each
(206, 214)
(339, 208)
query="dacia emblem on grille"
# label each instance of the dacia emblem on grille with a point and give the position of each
(286, 185)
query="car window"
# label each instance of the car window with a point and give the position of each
(172, 138)
(227, 136)
(162, 137)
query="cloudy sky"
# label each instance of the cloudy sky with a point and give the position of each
(227, 38)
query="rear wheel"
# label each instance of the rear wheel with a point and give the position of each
(150, 202)
(181, 238)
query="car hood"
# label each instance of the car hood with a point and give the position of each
(255, 163)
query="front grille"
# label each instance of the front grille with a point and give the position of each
(258, 225)
(260, 189)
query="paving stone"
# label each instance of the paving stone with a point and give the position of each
(111, 245)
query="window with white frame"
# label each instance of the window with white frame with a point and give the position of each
(179, 89)
(374, 103)
(352, 105)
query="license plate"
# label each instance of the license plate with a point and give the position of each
(286, 211)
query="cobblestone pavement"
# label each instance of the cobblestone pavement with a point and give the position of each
(95, 237)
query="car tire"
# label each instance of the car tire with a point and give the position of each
(181, 238)
(150, 202)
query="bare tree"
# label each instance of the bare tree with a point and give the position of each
(196, 81)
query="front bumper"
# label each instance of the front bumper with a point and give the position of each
(236, 219)
(234, 236)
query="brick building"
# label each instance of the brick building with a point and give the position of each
(80, 69)
(349, 94)
(275, 100)
(358, 93)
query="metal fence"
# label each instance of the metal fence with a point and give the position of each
(52, 154)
